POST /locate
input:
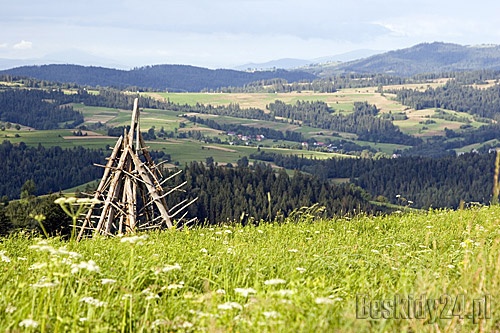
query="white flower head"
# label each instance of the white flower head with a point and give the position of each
(323, 300)
(4, 257)
(90, 266)
(285, 292)
(293, 250)
(271, 314)
(229, 306)
(245, 291)
(134, 239)
(301, 269)
(10, 308)
(107, 281)
(175, 286)
(274, 282)
(220, 292)
(28, 323)
(92, 301)
(169, 268)
(37, 265)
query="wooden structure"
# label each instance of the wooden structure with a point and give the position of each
(130, 194)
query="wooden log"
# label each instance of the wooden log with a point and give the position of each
(144, 174)
(113, 185)
(134, 122)
(102, 183)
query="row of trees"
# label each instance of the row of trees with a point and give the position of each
(268, 133)
(455, 96)
(428, 182)
(52, 169)
(258, 192)
(363, 121)
(36, 108)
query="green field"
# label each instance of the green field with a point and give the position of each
(436, 271)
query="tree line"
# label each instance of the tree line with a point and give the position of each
(52, 169)
(257, 192)
(40, 109)
(428, 182)
(455, 96)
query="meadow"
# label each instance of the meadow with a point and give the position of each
(435, 271)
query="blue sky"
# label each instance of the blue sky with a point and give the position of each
(227, 33)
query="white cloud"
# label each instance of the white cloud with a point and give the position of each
(3, 45)
(23, 45)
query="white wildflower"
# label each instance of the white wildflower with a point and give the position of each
(92, 301)
(83, 319)
(44, 284)
(28, 323)
(186, 324)
(205, 251)
(90, 266)
(175, 286)
(10, 308)
(126, 296)
(152, 296)
(229, 306)
(40, 247)
(218, 233)
(169, 268)
(38, 265)
(4, 257)
(107, 281)
(274, 282)
(285, 292)
(134, 239)
(159, 322)
(324, 300)
(245, 291)
(375, 251)
(230, 250)
(260, 231)
(271, 314)
(451, 266)
(301, 269)
(220, 292)
(22, 258)
(227, 231)
(293, 250)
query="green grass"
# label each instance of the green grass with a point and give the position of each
(293, 277)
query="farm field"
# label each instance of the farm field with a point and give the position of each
(305, 275)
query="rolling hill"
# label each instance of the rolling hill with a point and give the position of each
(158, 77)
(434, 57)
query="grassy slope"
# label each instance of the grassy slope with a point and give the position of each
(174, 279)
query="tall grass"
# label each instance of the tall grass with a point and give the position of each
(293, 277)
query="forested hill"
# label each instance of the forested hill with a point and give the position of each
(427, 58)
(158, 77)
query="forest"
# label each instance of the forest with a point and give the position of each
(426, 181)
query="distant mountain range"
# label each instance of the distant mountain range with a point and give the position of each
(159, 77)
(291, 63)
(434, 57)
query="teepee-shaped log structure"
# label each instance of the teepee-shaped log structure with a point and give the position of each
(130, 194)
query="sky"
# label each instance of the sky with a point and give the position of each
(228, 33)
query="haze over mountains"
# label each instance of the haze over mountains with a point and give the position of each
(423, 58)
